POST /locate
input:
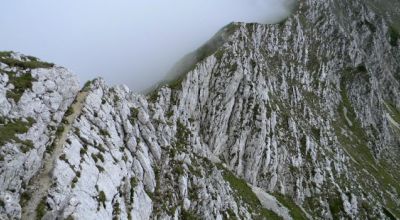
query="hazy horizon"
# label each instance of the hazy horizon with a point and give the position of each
(128, 42)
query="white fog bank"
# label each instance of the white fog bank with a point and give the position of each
(132, 42)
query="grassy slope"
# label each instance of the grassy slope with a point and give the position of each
(354, 140)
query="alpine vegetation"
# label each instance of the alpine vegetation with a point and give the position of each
(295, 120)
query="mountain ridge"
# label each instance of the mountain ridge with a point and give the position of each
(301, 115)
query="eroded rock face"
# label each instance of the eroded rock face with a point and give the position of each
(118, 162)
(295, 120)
(45, 94)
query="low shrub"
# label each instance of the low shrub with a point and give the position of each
(41, 209)
(102, 198)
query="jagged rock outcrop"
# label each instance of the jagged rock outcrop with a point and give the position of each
(297, 120)
(34, 96)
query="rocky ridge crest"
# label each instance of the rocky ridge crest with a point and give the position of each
(297, 120)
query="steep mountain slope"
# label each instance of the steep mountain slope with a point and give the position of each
(298, 120)
(34, 96)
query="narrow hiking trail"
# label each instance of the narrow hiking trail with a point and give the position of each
(40, 184)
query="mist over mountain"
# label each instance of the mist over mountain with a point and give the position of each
(126, 42)
(294, 120)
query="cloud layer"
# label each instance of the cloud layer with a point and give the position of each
(132, 42)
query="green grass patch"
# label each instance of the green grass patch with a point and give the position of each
(229, 214)
(336, 207)
(134, 115)
(10, 129)
(316, 133)
(176, 84)
(21, 84)
(100, 156)
(87, 85)
(116, 211)
(246, 194)
(25, 197)
(28, 62)
(181, 136)
(41, 209)
(102, 198)
(100, 168)
(5, 54)
(348, 120)
(60, 130)
(69, 111)
(74, 181)
(187, 215)
(152, 96)
(104, 132)
(294, 209)
(134, 183)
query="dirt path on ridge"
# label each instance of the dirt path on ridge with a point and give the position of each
(40, 184)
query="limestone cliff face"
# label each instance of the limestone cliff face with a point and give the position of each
(298, 120)
(33, 98)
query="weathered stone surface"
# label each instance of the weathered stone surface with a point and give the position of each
(52, 91)
(300, 118)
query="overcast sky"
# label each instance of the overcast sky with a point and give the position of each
(132, 42)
